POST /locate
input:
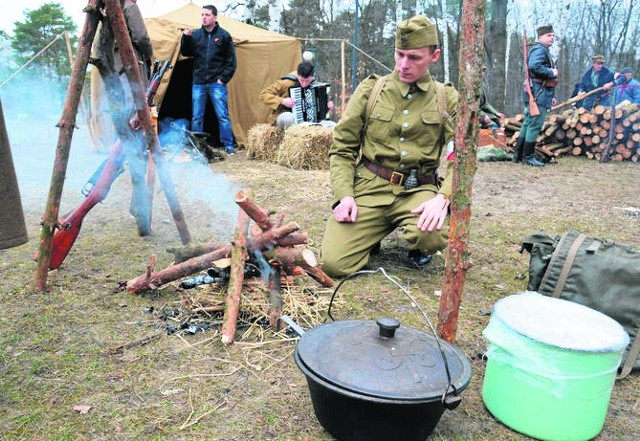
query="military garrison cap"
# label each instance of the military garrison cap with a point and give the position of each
(416, 33)
(548, 29)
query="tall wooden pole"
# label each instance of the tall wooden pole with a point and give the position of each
(343, 95)
(465, 137)
(130, 65)
(85, 114)
(66, 125)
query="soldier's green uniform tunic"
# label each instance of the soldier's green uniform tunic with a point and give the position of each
(403, 132)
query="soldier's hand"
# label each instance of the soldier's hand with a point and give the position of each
(432, 213)
(346, 210)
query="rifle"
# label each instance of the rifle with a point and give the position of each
(68, 230)
(577, 98)
(533, 105)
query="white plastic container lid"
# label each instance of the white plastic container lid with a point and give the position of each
(560, 323)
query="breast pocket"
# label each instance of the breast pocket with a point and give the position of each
(431, 130)
(379, 125)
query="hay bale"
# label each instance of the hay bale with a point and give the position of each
(263, 141)
(306, 147)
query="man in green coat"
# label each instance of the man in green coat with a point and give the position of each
(383, 162)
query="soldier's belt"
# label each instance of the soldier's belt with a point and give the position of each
(547, 83)
(395, 177)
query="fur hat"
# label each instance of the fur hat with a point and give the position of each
(596, 58)
(416, 33)
(547, 29)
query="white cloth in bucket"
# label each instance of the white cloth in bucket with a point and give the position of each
(560, 323)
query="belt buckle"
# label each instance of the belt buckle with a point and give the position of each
(397, 178)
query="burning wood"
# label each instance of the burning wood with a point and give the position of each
(239, 255)
(273, 241)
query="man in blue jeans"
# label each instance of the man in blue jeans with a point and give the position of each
(214, 63)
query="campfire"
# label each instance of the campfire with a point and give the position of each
(267, 249)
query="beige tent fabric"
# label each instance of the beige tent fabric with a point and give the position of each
(262, 57)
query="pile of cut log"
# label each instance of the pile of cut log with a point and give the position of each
(280, 245)
(602, 134)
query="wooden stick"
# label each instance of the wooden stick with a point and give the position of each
(66, 126)
(129, 61)
(153, 280)
(187, 252)
(259, 215)
(275, 297)
(239, 255)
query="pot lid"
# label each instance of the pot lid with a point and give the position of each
(382, 359)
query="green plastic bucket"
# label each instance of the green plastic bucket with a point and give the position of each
(551, 366)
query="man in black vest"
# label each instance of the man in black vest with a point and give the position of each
(214, 63)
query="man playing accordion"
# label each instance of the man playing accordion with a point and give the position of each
(286, 110)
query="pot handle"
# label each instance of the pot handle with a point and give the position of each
(289, 321)
(448, 401)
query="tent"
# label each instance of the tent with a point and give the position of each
(262, 57)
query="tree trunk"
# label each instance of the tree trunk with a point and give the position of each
(466, 134)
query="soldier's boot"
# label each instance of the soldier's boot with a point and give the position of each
(529, 155)
(517, 153)
(417, 259)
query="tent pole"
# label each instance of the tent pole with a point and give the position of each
(343, 97)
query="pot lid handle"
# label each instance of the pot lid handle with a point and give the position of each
(387, 326)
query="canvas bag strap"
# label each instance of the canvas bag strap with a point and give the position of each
(568, 263)
(632, 356)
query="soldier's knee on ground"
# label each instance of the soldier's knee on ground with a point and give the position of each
(427, 242)
(336, 265)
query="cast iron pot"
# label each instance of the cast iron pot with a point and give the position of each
(375, 380)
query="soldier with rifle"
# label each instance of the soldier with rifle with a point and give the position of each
(541, 77)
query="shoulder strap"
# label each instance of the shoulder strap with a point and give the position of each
(441, 99)
(373, 97)
(568, 263)
(632, 356)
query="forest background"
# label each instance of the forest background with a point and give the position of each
(583, 29)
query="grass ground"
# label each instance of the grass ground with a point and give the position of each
(62, 379)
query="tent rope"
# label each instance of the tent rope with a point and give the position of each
(57, 37)
(353, 46)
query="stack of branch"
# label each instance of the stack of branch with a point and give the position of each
(281, 245)
(579, 132)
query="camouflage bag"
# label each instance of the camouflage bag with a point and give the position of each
(600, 274)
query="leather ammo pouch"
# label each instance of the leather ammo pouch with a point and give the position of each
(600, 274)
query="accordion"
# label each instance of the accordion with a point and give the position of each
(311, 102)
